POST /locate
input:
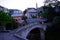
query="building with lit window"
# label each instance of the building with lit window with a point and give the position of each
(16, 14)
(31, 13)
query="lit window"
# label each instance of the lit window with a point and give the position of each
(43, 23)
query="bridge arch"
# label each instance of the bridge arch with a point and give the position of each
(34, 34)
(40, 27)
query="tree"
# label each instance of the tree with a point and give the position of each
(5, 18)
(56, 20)
(52, 32)
(48, 12)
(44, 14)
(58, 3)
(25, 11)
(25, 17)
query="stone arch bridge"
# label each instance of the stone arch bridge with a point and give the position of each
(24, 31)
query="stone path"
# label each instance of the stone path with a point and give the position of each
(9, 36)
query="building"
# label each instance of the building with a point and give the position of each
(31, 13)
(4, 9)
(16, 14)
(14, 11)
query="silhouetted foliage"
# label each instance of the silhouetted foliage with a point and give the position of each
(52, 32)
(24, 11)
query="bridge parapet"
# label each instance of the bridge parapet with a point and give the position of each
(36, 20)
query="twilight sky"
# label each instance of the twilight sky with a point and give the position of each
(21, 4)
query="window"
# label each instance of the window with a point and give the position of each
(16, 11)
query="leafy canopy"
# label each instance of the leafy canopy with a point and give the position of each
(5, 18)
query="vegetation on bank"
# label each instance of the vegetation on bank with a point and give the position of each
(6, 21)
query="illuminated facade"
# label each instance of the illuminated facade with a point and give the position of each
(16, 14)
(31, 13)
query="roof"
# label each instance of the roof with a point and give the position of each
(17, 14)
(1, 7)
(32, 10)
(12, 11)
